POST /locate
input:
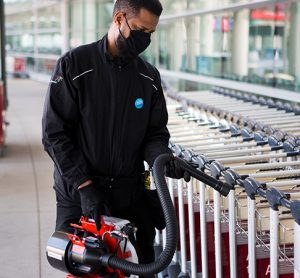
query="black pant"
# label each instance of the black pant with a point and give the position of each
(125, 203)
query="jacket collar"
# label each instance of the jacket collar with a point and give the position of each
(108, 58)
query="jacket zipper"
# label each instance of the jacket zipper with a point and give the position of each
(115, 142)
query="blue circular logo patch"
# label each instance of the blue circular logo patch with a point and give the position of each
(139, 103)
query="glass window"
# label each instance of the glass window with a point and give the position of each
(259, 46)
(49, 18)
(29, 30)
(23, 22)
(76, 15)
(177, 6)
(89, 20)
(49, 43)
(256, 46)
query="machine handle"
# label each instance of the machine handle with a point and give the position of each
(222, 187)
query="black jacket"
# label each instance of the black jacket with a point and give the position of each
(101, 119)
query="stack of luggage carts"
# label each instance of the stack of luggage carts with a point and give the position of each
(252, 143)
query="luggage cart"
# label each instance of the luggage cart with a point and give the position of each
(242, 222)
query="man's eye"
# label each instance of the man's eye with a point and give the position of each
(140, 29)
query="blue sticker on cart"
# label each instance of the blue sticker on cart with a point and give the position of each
(139, 103)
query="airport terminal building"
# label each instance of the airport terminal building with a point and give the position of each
(197, 43)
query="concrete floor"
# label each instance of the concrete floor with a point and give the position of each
(27, 200)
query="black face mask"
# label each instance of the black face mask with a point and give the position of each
(135, 44)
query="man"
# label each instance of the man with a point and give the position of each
(105, 114)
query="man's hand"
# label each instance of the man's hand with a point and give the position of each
(174, 171)
(91, 202)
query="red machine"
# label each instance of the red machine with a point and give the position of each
(86, 245)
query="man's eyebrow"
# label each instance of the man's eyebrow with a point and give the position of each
(146, 29)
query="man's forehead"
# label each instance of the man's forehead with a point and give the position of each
(146, 19)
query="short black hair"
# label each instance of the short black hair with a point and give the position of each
(134, 6)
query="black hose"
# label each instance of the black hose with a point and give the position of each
(166, 256)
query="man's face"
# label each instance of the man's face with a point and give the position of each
(144, 21)
(133, 33)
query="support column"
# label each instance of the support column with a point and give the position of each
(294, 41)
(35, 34)
(193, 37)
(90, 21)
(175, 44)
(155, 49)
(65, 27)
(206, 34)
(240, 43)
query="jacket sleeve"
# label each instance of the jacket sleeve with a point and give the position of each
(60, 121)
(157, 135)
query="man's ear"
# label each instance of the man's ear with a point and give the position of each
(118, 17)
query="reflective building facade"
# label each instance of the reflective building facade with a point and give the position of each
(206, 42)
